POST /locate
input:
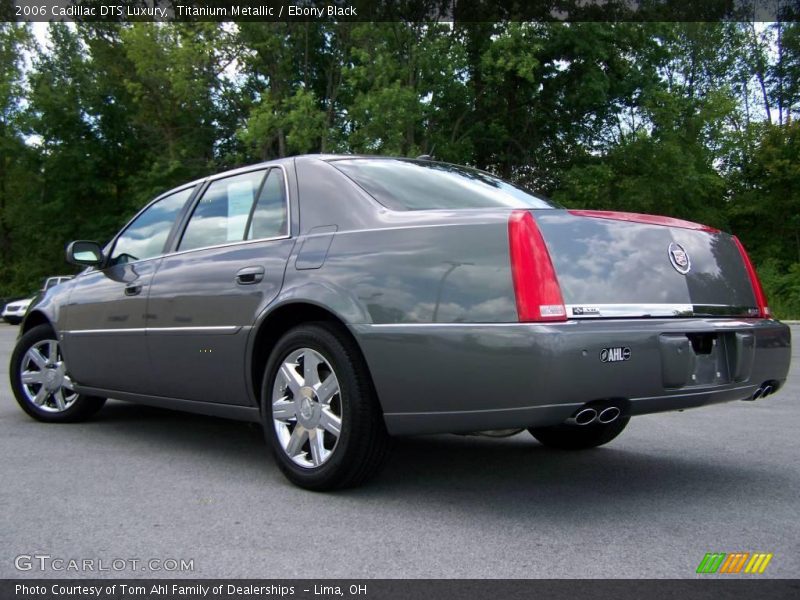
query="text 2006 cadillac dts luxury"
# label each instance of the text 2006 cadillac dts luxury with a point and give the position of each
(340, 300)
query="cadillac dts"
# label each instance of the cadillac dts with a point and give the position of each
(342, 300)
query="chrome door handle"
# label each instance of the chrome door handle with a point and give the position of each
(133, 290)
(249, 275)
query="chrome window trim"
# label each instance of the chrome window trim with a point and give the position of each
(225, 245)
(240, 172)
(202, 186)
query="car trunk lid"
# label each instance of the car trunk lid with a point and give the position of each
(627, 265)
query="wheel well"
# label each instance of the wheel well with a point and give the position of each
(279, 322)
(34, 319)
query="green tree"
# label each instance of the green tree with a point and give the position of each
(18, 160)
(695, 120)
(176, 85)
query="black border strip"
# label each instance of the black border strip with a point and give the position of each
(401, 10)
(712, 588)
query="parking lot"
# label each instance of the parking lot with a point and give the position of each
(142, 483)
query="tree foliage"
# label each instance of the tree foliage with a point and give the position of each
(694, 120)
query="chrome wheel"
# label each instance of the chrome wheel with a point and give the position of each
(307, 408)
(44, 380)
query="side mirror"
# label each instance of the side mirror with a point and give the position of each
(85, 253)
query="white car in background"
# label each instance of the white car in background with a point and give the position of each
(13, 312)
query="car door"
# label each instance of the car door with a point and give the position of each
(104, 338)
(227, 266)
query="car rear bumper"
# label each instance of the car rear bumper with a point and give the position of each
(464, 377)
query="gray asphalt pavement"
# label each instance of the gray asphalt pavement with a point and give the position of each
(141, 483)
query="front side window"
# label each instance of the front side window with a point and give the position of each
(145, 237)
(233, 209)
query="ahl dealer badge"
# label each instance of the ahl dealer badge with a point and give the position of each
(618, 354)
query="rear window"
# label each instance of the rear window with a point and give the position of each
(402, 184)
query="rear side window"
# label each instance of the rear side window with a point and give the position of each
(269, 214)
(145, 237)
(402, 184)
(247, 206)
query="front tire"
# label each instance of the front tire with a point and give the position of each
(320, 413)
(41, 384)
(579, 437)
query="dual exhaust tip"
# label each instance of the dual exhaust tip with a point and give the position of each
(763, 391)
(589, 415)
(608, 414)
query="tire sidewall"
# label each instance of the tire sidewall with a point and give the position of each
(37, 334)
(321, 340)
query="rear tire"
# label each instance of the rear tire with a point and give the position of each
(579, 437)
(41, 383)
(320, 413)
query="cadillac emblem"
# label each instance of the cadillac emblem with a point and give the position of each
(679, 258)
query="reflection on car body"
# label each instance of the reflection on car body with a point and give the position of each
(14, 311)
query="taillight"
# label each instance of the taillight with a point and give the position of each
(758, 291)
(535, 284)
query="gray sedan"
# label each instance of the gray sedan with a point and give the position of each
(341, 300)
